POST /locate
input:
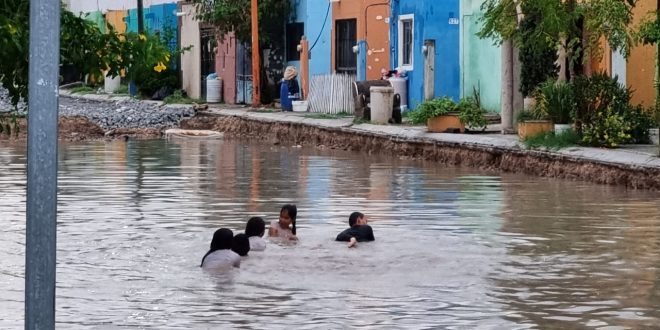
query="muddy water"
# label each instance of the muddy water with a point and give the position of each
(456, 248)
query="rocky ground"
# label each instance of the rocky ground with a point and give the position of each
(90, 119)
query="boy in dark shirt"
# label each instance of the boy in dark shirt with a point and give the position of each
(359, 231)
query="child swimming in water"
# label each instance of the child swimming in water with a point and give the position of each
(255, 230)
(241, 245)
(285, 227)
(220, 256)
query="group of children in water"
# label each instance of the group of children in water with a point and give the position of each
(227, 249)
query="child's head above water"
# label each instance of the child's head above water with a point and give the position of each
(356, 218)
(255, 227)
(288, 217)
(241, 245)
(222, 239)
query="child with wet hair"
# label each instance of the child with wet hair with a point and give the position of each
(255, 230)
(358, 230)
(220, 256)
(285, 227)
(241, 245)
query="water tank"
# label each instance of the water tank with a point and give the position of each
(400, 86)
(214, 90)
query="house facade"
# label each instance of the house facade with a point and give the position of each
(426, 44)
(312, 19)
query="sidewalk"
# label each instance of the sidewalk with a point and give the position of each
(634, 156)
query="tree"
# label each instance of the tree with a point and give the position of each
(82, 45)
(576, 26)
(234, 16)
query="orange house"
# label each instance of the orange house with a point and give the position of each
(638, 71)
(355, 20)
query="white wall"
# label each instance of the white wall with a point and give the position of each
(87, 6)
(191, 71)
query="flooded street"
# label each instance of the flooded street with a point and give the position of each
(455, 247)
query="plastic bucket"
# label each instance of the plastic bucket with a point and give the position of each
(214, 91)
(299, 106)
(111, 85)
(382, 101)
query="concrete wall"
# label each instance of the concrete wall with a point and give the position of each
(480, 59)
(373, 18)
(190, 61)
(432, 20)
(313, 14)
(116, 19)
(225, 67)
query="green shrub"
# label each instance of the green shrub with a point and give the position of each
(553, 141)
(595, 95)
(606, 129)
(471, 114)
(640, 122)
(556, 100)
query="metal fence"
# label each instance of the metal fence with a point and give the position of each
(332, 93)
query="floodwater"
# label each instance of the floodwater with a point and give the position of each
(455, 248)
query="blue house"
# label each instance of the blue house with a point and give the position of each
(313, 19)
(426, 37)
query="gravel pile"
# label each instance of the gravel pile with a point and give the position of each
(108, 114)
(125, 113)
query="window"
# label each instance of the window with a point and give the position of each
(345, 39)
(294, 32)
(406, 41)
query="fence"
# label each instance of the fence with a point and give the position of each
(332, 93)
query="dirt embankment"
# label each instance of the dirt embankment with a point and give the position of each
(516, 161)
(80, 129)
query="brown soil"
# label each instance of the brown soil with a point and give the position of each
(80, 128)
(537, 163)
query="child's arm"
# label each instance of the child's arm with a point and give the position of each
(352, 242)
(272, 231)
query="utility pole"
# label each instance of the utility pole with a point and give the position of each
(140, 16)
(41, 205)
(256, 56)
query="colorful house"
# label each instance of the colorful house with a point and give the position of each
(426, 44)
(363, 20)
(480, 59)
(312, 19)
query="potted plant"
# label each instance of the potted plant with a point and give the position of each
(532, 123)
(440, 115)
(443, 115)
(556, 100)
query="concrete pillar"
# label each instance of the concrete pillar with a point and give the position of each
(507, 87)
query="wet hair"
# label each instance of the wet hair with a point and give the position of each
(353, 218)
(241, 245)
(292, 211)
(255, 227)
(222, 240)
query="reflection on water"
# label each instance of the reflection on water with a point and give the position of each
(455, 248)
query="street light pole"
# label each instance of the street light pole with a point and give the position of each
(41, 205)
(140, 16)
(256, 56)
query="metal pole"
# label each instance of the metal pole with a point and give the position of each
(140, 16)
(41, 211)
(256, 56)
